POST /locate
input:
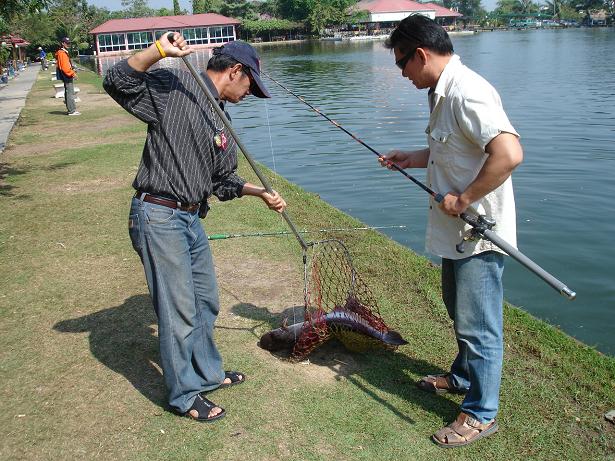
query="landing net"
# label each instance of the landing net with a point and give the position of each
(332, 285)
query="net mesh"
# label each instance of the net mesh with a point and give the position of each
(333, 286)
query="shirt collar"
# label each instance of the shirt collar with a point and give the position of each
(447, 75)
(212, 88)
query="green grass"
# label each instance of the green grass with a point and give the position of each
(79, 355)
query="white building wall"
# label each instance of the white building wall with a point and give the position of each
(391, 17)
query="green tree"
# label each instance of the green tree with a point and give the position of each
(137, 8)
(38, 28)
(333, 12)
(568, 12)
(176, 8)
(514, 7)
(4, 26)
(266, 28)
(198, 6)
(297, 10)
(553, 8)
(322, 15)
(69, 19)
(241, 9)
(164, 12)
(9, 9)
(318, 13)
(469, 8)
(269, 7)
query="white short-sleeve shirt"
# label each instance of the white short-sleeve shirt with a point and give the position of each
(466, 115)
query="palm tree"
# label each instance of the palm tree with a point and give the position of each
(555, 7)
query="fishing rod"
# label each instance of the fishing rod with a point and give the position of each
(276, 233)
(393, 165)
(481, 225)
(227, 124)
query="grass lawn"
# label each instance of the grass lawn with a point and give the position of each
(79, 364)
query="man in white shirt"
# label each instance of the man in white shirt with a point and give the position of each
(472, 152)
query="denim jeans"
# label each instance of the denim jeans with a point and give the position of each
(69, 96)
(473, 294)
(182, 283)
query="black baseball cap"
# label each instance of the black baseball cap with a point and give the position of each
(65, 40)
(245, 54)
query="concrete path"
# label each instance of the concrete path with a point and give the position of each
(13, 98)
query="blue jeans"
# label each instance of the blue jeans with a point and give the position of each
(473, 294)
(182, 283)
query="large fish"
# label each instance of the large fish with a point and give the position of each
(338, 322)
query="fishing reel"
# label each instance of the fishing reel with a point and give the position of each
(479, 223)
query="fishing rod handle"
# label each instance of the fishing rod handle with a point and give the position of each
(243, 149)
(559, 286)
(490, 235)
(218, 236)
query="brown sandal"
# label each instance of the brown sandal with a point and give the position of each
(439, 384)
(463, 431)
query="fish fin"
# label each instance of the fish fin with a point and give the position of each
(392, 337)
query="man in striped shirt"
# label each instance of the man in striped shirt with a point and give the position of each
(188, 156)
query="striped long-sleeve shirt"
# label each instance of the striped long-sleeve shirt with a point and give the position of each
(180, 159)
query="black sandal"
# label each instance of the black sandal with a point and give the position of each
(236, 377)
(203, 406)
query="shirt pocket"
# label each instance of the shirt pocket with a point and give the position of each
(440, 151)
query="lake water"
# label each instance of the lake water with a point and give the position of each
(558, 88)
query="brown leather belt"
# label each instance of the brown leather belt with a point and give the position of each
(189, 207)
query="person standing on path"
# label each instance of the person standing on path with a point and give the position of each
(472, 151)
(42, 56)
(188, 156)
(66, 73)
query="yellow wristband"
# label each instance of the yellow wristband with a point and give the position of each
(160, 50)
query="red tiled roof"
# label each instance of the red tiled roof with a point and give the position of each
(442, 12)
(391, 6)
(164, 22)
(14, 40)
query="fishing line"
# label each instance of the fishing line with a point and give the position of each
(270, 138)
(436, 196)
(275, 171)
(278, 233)
(481, 225)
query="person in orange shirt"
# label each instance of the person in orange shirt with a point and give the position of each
(66, 73)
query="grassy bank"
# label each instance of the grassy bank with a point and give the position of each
(78, 349)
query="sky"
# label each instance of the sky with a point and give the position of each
(117, 4)
(489, 5)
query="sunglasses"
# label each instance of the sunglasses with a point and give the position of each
(401, 63)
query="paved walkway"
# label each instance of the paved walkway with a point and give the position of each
(13, 98)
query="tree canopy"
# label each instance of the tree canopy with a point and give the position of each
(11, 8)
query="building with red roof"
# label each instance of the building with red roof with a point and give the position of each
(17, 44)
(388, 13)
(122, 36)
(442, 12)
